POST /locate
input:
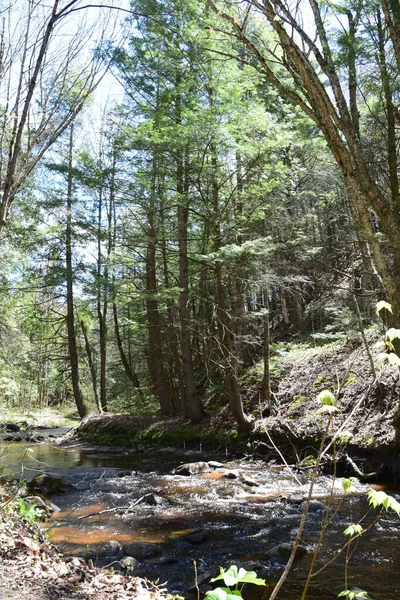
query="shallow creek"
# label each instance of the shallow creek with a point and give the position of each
(242, 518)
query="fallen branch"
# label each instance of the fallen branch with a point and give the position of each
(107, 510)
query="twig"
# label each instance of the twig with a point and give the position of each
(107, 510)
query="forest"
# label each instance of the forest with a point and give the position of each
(242, 190)
(199, 259)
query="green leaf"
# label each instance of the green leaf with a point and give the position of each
(354, 529)
(392, 334)
(223, 594)
(381, 499)
(383, 304)
(233, 576)
(327, 398)
(393, 359)
(346, 484)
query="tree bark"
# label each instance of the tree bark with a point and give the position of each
(72, 346)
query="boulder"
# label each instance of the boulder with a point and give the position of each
(316, 506)
(196, 537)
(142, 550)
(249, 482)
(34, 438)
(48, 485)
(234, 474)
(112, 549)
(129, 563)
(283, 551)
(13, 438)
(194, 468)
(10, 427)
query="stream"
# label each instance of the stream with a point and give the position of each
(236, 512)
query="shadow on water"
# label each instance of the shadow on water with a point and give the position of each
(240, 522)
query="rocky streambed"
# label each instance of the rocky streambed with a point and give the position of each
(164, 514)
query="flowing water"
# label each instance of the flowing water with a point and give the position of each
(241, 519)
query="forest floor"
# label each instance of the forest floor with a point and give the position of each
(32, 569)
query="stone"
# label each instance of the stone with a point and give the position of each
(112, 549)
(234, 474)
(10, 427)
(129, 563)
(196, 537)
(125, 473)
(249, 482)
(34, 438)
(283, 551)
(48, 485)
(194, 468)
(13, 438)
(142, 550)
(316, 506)
(153, 499)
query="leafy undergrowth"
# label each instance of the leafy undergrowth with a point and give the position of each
(32, 568)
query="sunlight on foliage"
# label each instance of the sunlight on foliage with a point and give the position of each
(381, 499)
(353, 529)
(383, 304)
(358, 595)
(232, 577)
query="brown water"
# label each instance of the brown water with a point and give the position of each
(242, 522)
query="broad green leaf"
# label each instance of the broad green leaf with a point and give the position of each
(354, 529)
(393, 359)
(251, 577)
(361, 594)
(393, 334)
(383, 304)
(327, 398)
(380, 498)
(346, 484)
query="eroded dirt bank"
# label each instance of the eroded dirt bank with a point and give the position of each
(364, 428)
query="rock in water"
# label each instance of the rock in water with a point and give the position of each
(48, 485)
(142, 550)
(192, 468)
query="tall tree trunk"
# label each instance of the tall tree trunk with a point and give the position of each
(226, 340)
(155, 351)
(72, 346)
(193, 408)
(129, 371)
(102, 305)
(92, 365)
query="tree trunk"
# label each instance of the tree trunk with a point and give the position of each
(193, 408)
(230, 360)
(155, 352)
(72, 346)
(92, 366)
(129, 372)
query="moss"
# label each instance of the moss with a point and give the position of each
(368, 441)
(308, 461)
(297, 402)
(159, 438)
(322, 380)
(344, 438)
(351, 379)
